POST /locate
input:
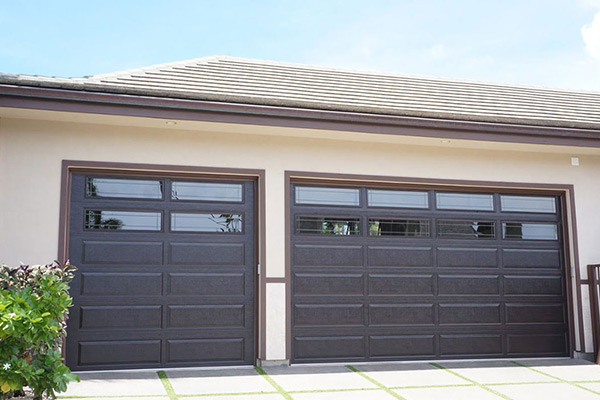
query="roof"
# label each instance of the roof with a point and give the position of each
(257, 82)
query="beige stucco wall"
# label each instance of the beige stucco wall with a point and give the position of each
(31, 151)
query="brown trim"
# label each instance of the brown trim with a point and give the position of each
(594, 306)
(275, 280)
(211, 111)
(257, 175)
(563, 191)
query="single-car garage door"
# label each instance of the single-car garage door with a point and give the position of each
(166, 272)
(382, 274)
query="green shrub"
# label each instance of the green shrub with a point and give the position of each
(34, 304)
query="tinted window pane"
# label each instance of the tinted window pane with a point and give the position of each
(398, 227)
(529, 231)
(123, 188)
(328, 226)
(123, 220)
(465, 201)
(397, 198)
(205, 191)
(327, 196)
(534, 204)
(466, 229)
(218, 223)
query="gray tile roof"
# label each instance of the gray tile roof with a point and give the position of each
(247, 81)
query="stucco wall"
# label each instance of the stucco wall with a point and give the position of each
(31, 152)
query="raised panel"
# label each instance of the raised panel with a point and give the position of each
(329, 347)
(121, 284)
(328, 315)
(471, 257)
(206, 316)
(533, 285)
(455, 345)
(120, 317)
(469, 314)
(392, 346)
(206, 284)
(460, 285)
(531, 258)
(389, 256)
(119, 352)
(400, 285)
(207, 253)
(205, 350)
(535, 313)
(400, 314)
(539, 344)
(328, 284)
(122, 252)
(314, 255)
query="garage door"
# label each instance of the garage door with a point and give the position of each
(166, 272)
(381, 274)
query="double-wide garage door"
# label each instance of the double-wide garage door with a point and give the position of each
(381, 274)
(166, 272)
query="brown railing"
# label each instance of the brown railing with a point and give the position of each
(594, 285)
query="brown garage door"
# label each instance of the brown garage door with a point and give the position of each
(380, 274)
(166, 272)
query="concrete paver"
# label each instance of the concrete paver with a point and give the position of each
(546, 391)
(116, 384)
(394, 375)
(447, 393)
(317, 378)
(274, 396)
(240, 380)
(501, 371)
(568, 369)
(354, 395)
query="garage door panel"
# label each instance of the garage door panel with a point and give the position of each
(323, 255)
(467, 257)
(469, 314)
(309, 284)
(207, 253)
(389, 256)
(401, 346)
(206, 351)
(401, 314)
(122, 252)
(469, 345)
(132, 352)
(400, 285)
(531, 258)
(533, 285)
(329, 347)
(435, 283)
(535, 313)
(121, 284)
(148, 292)
(206, 316)
(540, 343)
(461, 285)
(120, 317)
(206, 284)
(329, 315)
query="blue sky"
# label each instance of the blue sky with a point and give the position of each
(553, 43)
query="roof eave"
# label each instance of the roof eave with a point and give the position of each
(41, 98)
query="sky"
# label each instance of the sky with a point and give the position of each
(549, 43)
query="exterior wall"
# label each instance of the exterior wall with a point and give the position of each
(31, 152)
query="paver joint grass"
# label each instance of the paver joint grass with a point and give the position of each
(556, 377)
(376, 383)
(167, 385)
(484, 387)
(279, 389)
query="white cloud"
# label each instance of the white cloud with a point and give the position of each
(591, 37)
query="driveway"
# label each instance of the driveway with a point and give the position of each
(449, 380)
